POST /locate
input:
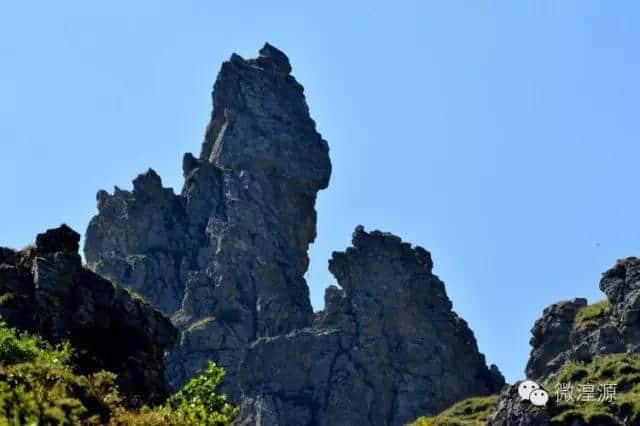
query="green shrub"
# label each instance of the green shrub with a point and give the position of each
(38, 386)
(589, 315)
(17, 347)
(199, 401)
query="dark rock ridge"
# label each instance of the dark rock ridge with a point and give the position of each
(46, 290)
(227, 257)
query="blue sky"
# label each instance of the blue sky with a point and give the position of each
(501, 136)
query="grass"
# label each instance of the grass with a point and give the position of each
(469, 412)
(6, 298)
(136, 296)
(201, 322)
(623, 370)
(589, 315)
(620, 369)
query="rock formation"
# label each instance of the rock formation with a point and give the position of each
(226, 259)
(562, 335)
(386, 349)
(46, 290)
(558, 337)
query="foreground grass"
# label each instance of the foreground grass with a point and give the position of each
(38, 386)
(589, 315)
(469, 412)
(623, 370)
(620, 369)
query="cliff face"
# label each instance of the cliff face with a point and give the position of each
(46, 290)
(226, 259)
(386, 348)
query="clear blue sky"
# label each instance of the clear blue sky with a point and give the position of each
(501, 136)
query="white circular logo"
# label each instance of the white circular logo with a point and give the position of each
(539, 397)
(526, 387)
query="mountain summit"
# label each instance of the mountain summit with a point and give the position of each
(226, 260)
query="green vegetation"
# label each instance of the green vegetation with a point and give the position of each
(136, 296)
(6, 298)
(202, 321)
(589, 315)
(200, 402)
(38, 386)
(469, 412)
(623, 370)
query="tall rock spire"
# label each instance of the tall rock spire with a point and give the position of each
(226, 259)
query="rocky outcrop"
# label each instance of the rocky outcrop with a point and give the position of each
(551, 338)
(613, 327)
(226, 259)
(44, 289)
(386, 349)
(574, 331)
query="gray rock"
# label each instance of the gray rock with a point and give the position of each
(557, 338)
(513, 411)
(551, 338)
(385, 351)
(227, 256)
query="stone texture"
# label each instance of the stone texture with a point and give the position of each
(226, 259)
(386, 349)
(551, 337)
(233, 245)
(46, 290)
(513, 411)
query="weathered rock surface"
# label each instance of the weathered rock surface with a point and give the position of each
(386, 349)
(227, 257)
(513, 411)
(46, 290)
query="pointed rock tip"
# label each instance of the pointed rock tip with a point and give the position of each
(276, 58)
(60, 239)
(148, 181)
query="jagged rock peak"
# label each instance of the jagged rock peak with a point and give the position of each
(260, 122)
(227, 256)
(383, 352)
(233, 244)
(273, 58)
